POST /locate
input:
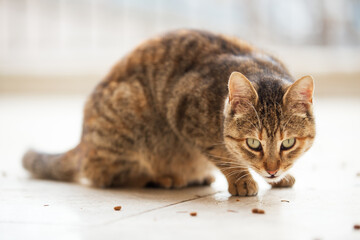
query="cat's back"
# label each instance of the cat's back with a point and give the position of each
(182, 46)
(173, 54)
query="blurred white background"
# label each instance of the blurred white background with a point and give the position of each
(67, 46)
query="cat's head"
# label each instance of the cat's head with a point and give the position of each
(269, 124)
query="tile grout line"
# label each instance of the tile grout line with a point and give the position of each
(157, 208)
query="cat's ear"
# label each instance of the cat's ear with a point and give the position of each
(298, 97)
(301, 90)
(240, 88)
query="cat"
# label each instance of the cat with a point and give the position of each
(182, 104)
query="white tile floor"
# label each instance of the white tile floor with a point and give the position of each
(324, 203)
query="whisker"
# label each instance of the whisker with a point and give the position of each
(237, 180)
(257, 115)
(233, 173)
(289, 120)
(251, 123)
(287, 178)
(233, 164)
(238, 167)
(222, 157)
(255, 167)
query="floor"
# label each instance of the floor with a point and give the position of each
(324, 203)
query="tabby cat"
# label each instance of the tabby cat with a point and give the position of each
(180, 105)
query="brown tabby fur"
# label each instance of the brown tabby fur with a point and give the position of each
(164, 115)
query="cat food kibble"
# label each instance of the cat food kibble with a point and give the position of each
(193, 214)
(357, 226)
(117, 208)
(258, 211)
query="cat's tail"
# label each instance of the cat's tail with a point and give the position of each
(63, 167)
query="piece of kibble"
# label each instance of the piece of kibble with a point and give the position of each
(258, 211)
(238, 200)
(117, 208)
(357, 226)
(285, 201)
(193, 214)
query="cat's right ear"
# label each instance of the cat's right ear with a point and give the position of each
(299, 96)
(241, 89)
(301, 91)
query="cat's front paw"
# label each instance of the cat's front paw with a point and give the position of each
(287, 181)
(245, 186)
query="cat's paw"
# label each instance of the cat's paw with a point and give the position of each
(244, 187)
(208, 180)
(170, 182)
(287, 181)
(164, 182)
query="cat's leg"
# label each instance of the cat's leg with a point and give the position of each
(206, 180)
(240, 181)
(170, 182)
(180, 182)
(287, 181)
(164, 182)
(128, 175)
(175, 163)
(115, 123)
(108, 168)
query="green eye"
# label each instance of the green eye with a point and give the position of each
(287, 144)
(254, 144)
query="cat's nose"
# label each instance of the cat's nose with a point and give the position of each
(272, 173)
(272, 167)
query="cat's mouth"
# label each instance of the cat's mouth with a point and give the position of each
(272, 177)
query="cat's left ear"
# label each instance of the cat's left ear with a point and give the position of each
(301, 91)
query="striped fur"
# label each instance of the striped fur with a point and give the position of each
(159, 117)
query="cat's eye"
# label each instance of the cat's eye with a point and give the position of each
(254, 144)
(287, 144)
